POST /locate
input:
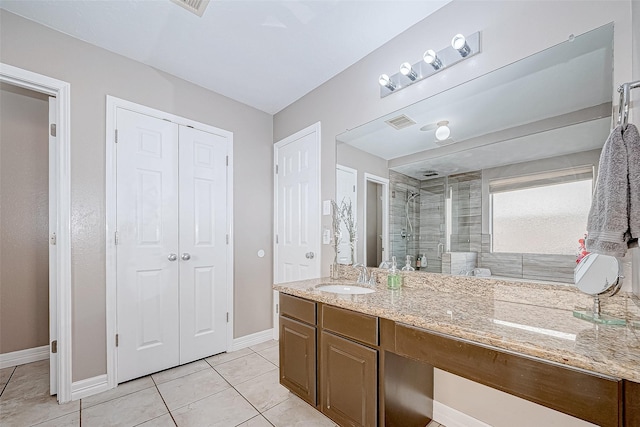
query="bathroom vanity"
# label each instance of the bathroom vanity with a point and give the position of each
(368, 359)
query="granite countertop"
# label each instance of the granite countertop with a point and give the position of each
(526, 318)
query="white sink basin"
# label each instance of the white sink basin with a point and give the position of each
(346, 289)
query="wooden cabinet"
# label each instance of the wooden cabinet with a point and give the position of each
(348, 381)
(298, 347)
(348, 367)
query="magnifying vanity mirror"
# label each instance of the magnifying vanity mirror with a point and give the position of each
(598, 275)
(507, 193)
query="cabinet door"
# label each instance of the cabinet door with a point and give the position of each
(298, 358)
(349, 381)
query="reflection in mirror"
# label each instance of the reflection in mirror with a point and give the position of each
(508, 192)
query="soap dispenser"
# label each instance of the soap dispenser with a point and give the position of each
(394, 280)
(407, 266)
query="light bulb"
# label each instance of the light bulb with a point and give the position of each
(459, 43)
(443, 132)
(406, 70)
(385, 81)
(431, 58)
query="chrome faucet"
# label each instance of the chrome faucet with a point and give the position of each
(363, 277)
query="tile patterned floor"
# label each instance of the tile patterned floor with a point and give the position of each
(230, 389)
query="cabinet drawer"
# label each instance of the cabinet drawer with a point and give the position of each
(298, 308)
(358, 326)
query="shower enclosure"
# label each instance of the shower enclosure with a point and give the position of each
(434, 217)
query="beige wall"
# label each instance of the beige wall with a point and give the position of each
(94, 73)
(510, 31)
(24, 219)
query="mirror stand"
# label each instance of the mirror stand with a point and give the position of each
(596, 316)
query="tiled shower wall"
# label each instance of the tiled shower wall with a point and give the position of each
(400, 188)
(428, 218)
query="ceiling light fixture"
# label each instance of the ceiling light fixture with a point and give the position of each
(407, 70)
(432, 62)
(443, 132)
(431, 58)
(459, 43)
(385, 81)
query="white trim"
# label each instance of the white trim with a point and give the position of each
(21, 357)
(251, 340)
(89, 387)
(62, 316)
(450, 417)
(385, 215)
(113, 104)
(354, 207)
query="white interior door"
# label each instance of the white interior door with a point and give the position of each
(147, 247)
(298, 206)
(53, 258)
(346, 191)
(203, 246)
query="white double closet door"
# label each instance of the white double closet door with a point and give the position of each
(171, 244)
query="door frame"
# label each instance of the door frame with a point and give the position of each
(60, 307)
(113, 104)
(314, 128)
(385, 214)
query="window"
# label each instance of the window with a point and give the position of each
(528, 212)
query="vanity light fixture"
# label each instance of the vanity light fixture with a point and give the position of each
(385, 81)
(442, 131)
(459, 43)
(407, 70)
(431, 58)
(461, 48)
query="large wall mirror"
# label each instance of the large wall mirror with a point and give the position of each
(508, 189)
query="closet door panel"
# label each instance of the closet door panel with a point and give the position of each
(147, 224)
(203, 245)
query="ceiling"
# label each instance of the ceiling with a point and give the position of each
(266, 54)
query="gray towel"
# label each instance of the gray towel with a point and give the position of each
(614, 219)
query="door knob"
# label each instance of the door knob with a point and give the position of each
(185, 257)
(172, 257)
(309, 255)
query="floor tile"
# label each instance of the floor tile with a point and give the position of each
(162, 421)
(258, 421)
(264, 391)
(71, 420)
(293, 412)
(264, 345)
(27, 383)
(188, 389)
(26, 411)
(180, 371)
(5, 374)
(129, 410)
(223, 409)
(272, 355)
(225, 357)
(245, 368)
(121, 390)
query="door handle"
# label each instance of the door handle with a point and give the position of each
(172, 257)
(309, 255)
(185, 256)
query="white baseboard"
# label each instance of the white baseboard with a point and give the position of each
(251, 339)
(450, 417)
(89, 387)
(21, 357)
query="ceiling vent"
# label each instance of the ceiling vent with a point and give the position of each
(430, 173)
(193, 6)
(400, 122)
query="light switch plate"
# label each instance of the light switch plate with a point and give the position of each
(326, 236)
(326, 207)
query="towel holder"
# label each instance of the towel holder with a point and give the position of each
(625, 98)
